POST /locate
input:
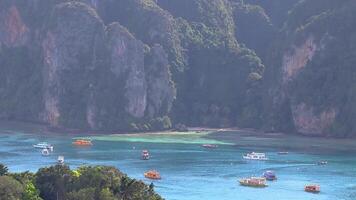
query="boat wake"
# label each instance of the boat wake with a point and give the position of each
(291, 166)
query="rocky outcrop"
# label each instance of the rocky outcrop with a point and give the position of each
(127, 61)
(138, 15)
(297, 58)
(116, 64)
(86, 74)
(68, 53)
(308, 122)
(161, 91)
(316, 75)
(13, 31)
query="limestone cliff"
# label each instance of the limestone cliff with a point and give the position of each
(69, 57)
(127, 59)
(297, 58)
(136, 64)
(148, 22)
(161, 91)
(314, 78)
(13, 31)
(83, 73)
(309, 123)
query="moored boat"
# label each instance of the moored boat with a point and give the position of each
(45, 152)
(145, 155)
(323, 162)
(152, 174)
(270, 175)
(255, 156)
(82, 142)
(253, 182)
(209, 146)
(312, 188)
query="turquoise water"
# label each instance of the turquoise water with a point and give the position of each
(190, 172)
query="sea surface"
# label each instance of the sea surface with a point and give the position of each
(190, 172)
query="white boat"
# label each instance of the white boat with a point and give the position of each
(43, 145)
(210, 146)
(145, 155)
(323, 162)
(45, 152)
(255, 156)
(60, 160)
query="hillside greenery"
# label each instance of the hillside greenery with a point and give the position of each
(60, 182)
(225, 63)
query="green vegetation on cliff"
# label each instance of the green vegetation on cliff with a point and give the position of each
(141, 65)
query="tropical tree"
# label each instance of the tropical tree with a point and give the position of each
(53, 182)
(3, 170)
(10, 189)
(31, 193)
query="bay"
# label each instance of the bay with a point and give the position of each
(190, 172)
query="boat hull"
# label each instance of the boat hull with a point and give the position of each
(249, 158)
(253, 185)
(312, 189)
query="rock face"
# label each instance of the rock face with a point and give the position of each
(308, 122)
(161, 91)
(297, 59)
(315, 76)
(86, 74)
(134, 64)
(127, 59)
(13, 31)
(69, 49)
(158, 25)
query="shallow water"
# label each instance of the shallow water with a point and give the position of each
(190, 172)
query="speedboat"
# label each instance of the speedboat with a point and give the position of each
(60, 160)
(209, 146)
(323, 162)
(43, 145)
(312, 188)
(255, 156)
(45, 152)
(82, 142)
(253, 182)
(145, 155)
(152, 174)
(270, 175)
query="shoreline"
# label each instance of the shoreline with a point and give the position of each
(213, 133)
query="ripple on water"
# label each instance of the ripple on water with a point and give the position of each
(8, 154)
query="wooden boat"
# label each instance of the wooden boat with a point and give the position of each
(209, 146)
(152, 174)
(145, 155)
(270, 175)
(312, 188)
(254, 182)
(82, 142)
